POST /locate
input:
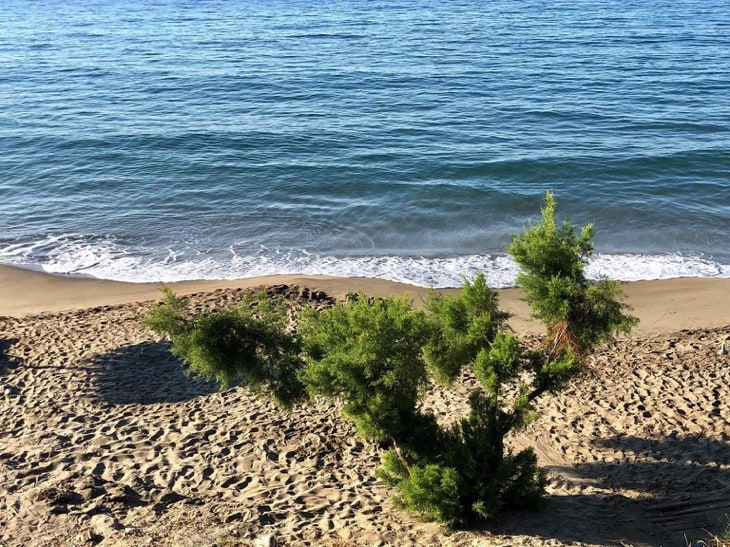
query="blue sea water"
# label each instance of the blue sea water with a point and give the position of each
(180, 139)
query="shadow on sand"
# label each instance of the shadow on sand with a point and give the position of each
(143, 374)
(7, 362)
(680, 492)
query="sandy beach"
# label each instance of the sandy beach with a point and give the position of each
(104, 440)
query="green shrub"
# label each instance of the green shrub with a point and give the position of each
(169, 318)
(578, 313)
(432, 491)
(461, 325)
(465, 473)
(368, 353)
(248, 345)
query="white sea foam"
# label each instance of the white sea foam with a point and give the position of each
(104, 257)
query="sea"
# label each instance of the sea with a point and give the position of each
(163, 140)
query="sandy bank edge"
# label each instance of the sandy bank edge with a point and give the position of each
(662, 306)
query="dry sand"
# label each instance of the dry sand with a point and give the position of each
(104, 440)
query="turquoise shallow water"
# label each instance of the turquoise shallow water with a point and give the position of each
(229, 139)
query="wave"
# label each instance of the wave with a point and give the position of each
(107, 257)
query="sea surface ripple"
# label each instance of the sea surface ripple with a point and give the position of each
(176, 139)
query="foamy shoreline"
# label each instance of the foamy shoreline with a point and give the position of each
(440, 271)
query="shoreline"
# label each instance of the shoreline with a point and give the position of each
(665, 305)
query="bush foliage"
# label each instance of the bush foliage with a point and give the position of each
(368, 354)
(248, 345)
(577, 312)
(379, 355)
